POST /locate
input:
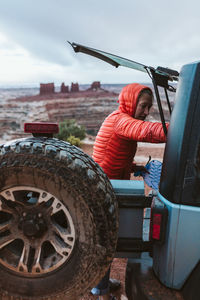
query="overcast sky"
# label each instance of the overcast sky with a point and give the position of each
(34, 35)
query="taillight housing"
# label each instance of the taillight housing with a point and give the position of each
(158, 223)
(41, 129)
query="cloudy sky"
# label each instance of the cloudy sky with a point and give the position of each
(34, 35)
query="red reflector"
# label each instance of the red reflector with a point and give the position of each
(156, 226)
(41, 128)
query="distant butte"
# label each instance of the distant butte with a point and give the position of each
(47, 92)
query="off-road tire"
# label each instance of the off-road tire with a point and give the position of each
(83, 189)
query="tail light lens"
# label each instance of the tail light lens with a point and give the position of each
(158, 224)
(41, 128)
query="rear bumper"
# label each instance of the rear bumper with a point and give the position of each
(142, 284)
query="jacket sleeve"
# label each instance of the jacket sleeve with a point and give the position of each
(141, 131)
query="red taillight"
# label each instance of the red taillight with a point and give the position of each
(158, 224)
(46, 128)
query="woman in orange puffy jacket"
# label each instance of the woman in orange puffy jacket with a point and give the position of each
(116, 144)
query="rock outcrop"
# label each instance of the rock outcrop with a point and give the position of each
(47, 88)
(89, 109)
(64, 88)
(74, 87)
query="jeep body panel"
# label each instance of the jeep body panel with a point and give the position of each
(173, 270)
(174, 261)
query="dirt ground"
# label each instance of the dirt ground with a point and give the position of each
(118, 267)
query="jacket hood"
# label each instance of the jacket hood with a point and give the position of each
(129, 96)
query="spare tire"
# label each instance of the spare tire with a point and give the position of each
(58, 220)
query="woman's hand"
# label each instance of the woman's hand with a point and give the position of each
(138, 169)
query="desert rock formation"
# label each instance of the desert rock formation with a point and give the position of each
(89, 107)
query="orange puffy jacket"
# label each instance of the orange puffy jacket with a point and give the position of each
(116, 142)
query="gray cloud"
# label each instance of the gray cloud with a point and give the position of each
(151, 32)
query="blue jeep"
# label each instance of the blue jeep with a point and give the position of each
(165, 266)
(62, 220)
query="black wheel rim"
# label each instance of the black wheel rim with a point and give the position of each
(37, 233)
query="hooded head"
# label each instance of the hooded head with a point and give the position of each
(129, 97)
